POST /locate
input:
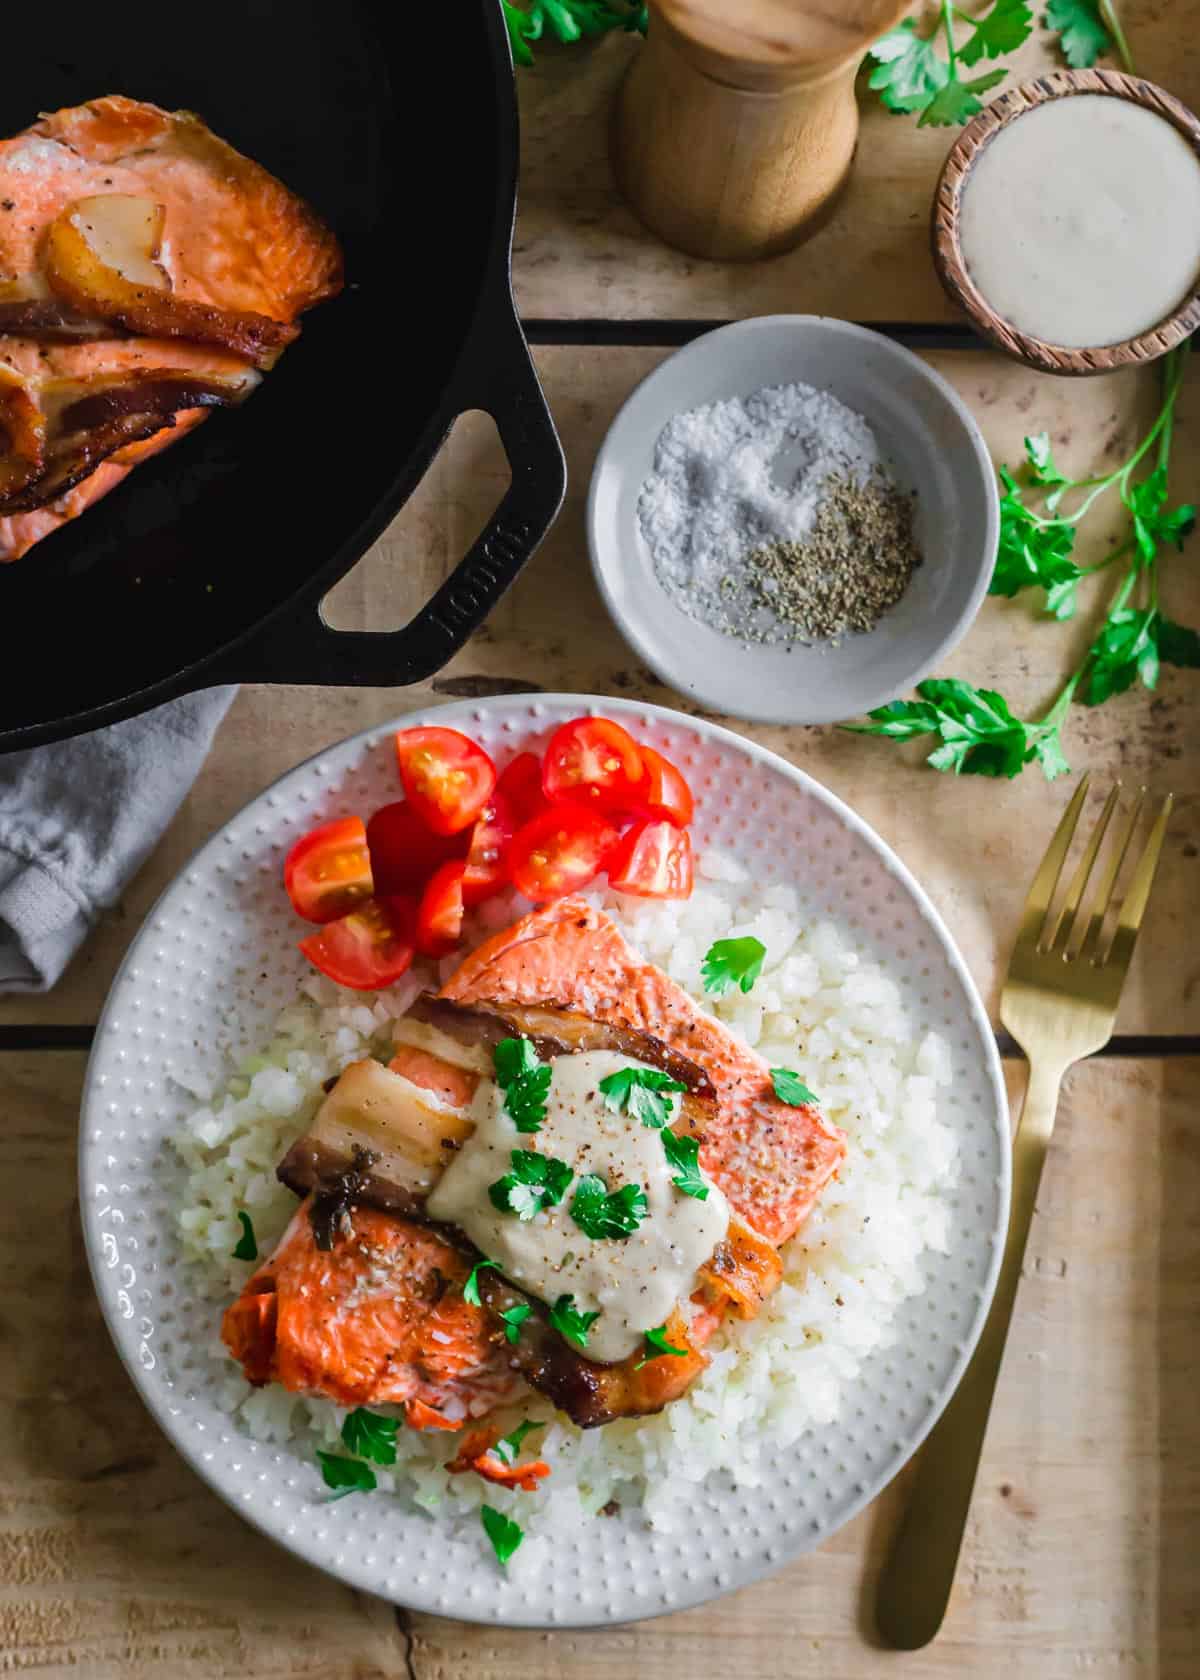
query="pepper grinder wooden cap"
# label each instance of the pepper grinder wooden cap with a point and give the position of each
(736, 125)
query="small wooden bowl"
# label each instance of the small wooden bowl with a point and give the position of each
(947, 251)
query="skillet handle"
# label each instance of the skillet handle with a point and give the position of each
(298, 646)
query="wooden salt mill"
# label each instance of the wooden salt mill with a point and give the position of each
(736, 124)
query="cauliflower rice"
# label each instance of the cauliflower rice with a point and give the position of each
(819, 1007)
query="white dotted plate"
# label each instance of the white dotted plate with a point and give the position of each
(216, 960)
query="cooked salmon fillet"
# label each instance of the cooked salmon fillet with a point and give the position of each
(771, 1160)
(233, 238)
(566, 976)
(379, 1319)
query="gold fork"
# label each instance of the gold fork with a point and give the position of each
(1060, 1003)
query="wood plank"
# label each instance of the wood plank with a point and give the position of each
(1080, 1553)
(973, 844)
(580, 252)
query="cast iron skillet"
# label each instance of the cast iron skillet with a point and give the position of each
(208, 565)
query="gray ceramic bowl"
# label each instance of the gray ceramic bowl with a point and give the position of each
(931, 444)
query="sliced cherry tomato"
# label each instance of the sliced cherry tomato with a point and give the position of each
(486, 870)
(664, 793)
(440, 912)
(593, 761)
(447, 778)
(404, 853)
(328, 872)
(560, 850)
(367, 949)
(654, 860)
(521, 784)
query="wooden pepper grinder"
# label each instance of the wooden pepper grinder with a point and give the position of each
(736, 125)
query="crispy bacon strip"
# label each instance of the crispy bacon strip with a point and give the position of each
(93, 288)
(84, 422)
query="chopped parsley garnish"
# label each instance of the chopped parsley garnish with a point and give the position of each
(658, 1346)
(790, 1088)
(370, 1436)
(471, 1287)
(524, 1080)
(602, 1213)
(346, 1475)
(509, 1446)
(513, 1318)
(570, 1323)
(247, 1245)
(504, 1534)
(732, 962)
(683, 1154)
(643, 1092)
(535, 1182)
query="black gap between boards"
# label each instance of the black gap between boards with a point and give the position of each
(671, 334)
(1130, 1045)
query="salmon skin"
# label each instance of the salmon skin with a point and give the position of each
(771, 1160)
(234, 238)
(378, 1319)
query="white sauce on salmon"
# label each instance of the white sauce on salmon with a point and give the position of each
(634, 1282)
(1080, 221)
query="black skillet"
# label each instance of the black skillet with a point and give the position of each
(397, 120)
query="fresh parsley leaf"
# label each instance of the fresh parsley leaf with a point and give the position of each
(790, 1088)
(346, 1475)
(732, 962)
(525, 1082)
(370, 1436)
(508, 1446)
(683, 1155)
(980, 735)
(1000, 30)
(569, 21)
(535, 1182)
(1125, 649)
(1178, 644)
(247, 1244)
(504, 1534)
(643, 1092)
(513, 1318)
(1032, 551)
(957, 103)
(602, 1213)
(658, 1346)
(1151, 525)
(471, 1287)
(1080, 29)
(569, 1322)
(908, 72)
(1043, 468)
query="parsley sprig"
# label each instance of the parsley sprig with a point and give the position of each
(346, 1475)
(658, 1347)
(508, 1447)
(370, 1435)
(247, 1243)
(570, 1322)
(911, 75)
(790, 1088)
(504, 1534)
(642, 1092)
(732, 962)
(977, 732)
(603, 1213)
(568, 20)
(525, 1082)
(513, 1318)
(535, 1182)
(471, 1287)
(683, 1155)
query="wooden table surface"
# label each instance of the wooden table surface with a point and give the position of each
(1083, 1550)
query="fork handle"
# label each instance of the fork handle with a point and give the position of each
(914, 1588)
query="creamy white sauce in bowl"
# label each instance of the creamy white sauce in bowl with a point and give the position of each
(634, 1282)
(1079, 222)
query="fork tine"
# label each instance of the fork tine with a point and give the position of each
(1090, 941)
(1046, 880)
(1066, 916)
(1134, 906)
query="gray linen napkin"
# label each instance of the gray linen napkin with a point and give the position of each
(77, 820)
